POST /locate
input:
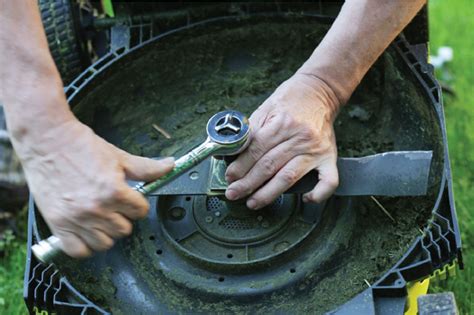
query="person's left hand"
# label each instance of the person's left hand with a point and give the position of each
(292, 134)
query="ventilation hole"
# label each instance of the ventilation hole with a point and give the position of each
(213, 203)
(237, 224)
(230, 256)
(152, 237)
(188, 198)
(221, 279)
(292, 270)
(159, 252)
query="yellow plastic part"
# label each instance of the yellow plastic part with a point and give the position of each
(108, 8)
(37, 311)
(445, 272)
(415, 289)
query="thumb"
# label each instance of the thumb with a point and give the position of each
(145, 169)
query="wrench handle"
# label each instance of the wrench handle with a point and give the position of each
(181, 165)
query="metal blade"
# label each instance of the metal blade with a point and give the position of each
(397, 173)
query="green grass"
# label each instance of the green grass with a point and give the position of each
(11, 277)
(451, 24)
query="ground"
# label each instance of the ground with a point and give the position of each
(450, 25)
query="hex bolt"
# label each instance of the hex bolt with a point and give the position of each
(209, 219)
(217, 213)
(259, 218)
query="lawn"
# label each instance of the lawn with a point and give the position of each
(451, 24)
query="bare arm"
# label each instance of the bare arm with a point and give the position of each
(28, 72)
(361, 32)
(77, 178)
(293, 129)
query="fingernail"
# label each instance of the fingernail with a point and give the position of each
(231, 194)
(252, 204)
(305, 199)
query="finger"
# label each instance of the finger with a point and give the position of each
(327, 184)
(284, 179)
(73, 245)
(145, 169)
(130, 203)
(263, 140)
(267, 166)
(116, 225)
(96, 239)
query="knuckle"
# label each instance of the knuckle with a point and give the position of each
(255, 150)
(289, 176)
(289, 122)
(277, 120)
(91, 209)
(306, 134)
(114, 192)
(268, 165)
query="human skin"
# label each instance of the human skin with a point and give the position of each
(293, 129)
(78, 179)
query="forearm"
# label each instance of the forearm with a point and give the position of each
(31, 88)
(359, 35)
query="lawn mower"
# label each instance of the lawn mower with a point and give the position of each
(147, 78)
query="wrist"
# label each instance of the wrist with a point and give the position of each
(36, 110)
(323, 92)
(340, 80)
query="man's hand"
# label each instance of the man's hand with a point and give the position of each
(292, 133)
(78, 182)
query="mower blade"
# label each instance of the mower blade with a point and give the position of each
(397, 173)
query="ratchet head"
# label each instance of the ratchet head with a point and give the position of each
(231, 130)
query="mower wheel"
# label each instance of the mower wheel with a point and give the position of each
(62, 35)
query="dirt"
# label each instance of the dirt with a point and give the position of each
(180, 82)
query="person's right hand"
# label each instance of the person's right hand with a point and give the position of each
(78, 183)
